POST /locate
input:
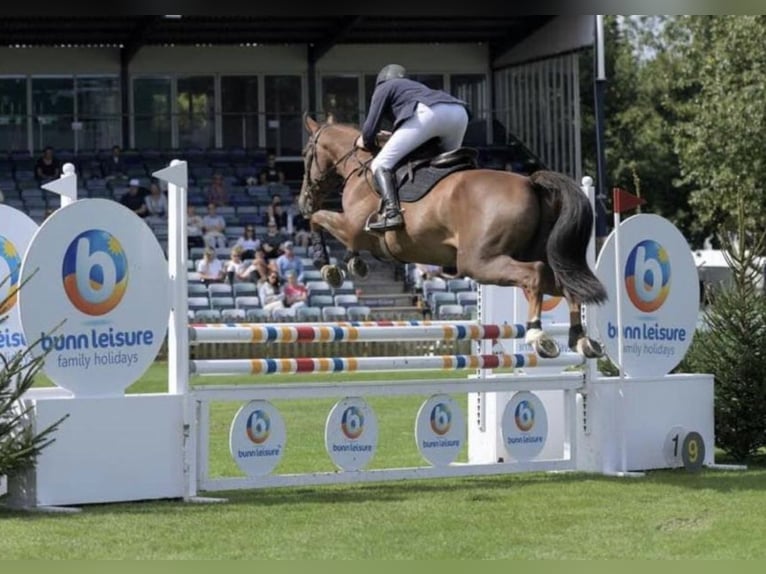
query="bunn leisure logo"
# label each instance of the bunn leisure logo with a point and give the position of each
(95, 272)
(441, 419)
(352, 422)
(647, 276)
(524, 416)
(258, 426)
(10, 265)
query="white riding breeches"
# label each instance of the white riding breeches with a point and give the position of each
(445, 121)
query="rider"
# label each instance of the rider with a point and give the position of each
(418, 113)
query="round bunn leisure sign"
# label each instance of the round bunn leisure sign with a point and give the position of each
(16, 232)
(351, 433)
(97, 300)
(659, 286)
(440, 430)
(257, 438)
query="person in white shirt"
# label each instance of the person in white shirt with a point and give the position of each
(156, 204)
(213, 225)
(238, 270)
(270, 293)
(210, 267)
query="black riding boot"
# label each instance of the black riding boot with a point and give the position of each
(391, 216)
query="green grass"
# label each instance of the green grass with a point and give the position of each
(667, 514)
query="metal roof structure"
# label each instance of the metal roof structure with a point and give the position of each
(320, 33)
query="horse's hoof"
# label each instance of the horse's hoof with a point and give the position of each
(546, 348)
(589, 348)
(358, 268)
(333, 275)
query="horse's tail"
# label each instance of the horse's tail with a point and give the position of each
(568, 240)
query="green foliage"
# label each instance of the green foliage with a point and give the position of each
(639, 116)
(733, 347)
(19, 443)
(721, 129)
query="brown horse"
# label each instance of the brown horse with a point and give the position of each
(496, 227)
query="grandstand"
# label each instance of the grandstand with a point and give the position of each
(223, 92)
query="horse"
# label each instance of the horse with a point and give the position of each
(496, 227)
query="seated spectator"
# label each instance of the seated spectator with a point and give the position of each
(193, 228)
(238, 271)
(114, 167)
(213, 226)
(248, 242)
(277, 213)
(135, 199)
(264, 266)
(296, 294)
(270, 173)
(297, 225)
(272, 241)
(270, 293)
(47, 166)
(217, 192)
(289, 262)
(156, 204)
(210, 268)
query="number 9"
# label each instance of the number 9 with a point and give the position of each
(693, 449)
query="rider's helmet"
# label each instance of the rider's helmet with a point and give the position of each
(390, 72)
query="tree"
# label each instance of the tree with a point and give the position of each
(732, 346)
(720, 134)
(639, 116)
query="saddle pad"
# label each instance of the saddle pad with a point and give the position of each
(423, 180)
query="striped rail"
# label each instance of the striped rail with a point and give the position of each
(366, 364)
(357, 332)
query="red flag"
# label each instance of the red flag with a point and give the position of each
(624, 201)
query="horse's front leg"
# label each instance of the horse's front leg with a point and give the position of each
(336, 225)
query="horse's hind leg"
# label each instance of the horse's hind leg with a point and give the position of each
(505, 271)
(578, 340)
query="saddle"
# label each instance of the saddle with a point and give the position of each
(428, 164)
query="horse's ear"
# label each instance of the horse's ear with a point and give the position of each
(310, 123)
(330, 118)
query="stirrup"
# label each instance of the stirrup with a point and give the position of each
(386, 221)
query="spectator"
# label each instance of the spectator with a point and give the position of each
(156, 204)
(263, 266)
(270, 173)
(277, 213)
(298, 225)
(296, 293)
(194, 227)
(238, 270)
(248, 242)
(47, 166)
(115, 167)
(210, 267)
(135, 199)
(213, 225)
(270, 293)
(217, 192)
(272, 241)
(289, 262)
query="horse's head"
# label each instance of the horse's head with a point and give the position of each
(329, 144)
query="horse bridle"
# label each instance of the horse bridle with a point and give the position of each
(318, 187)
